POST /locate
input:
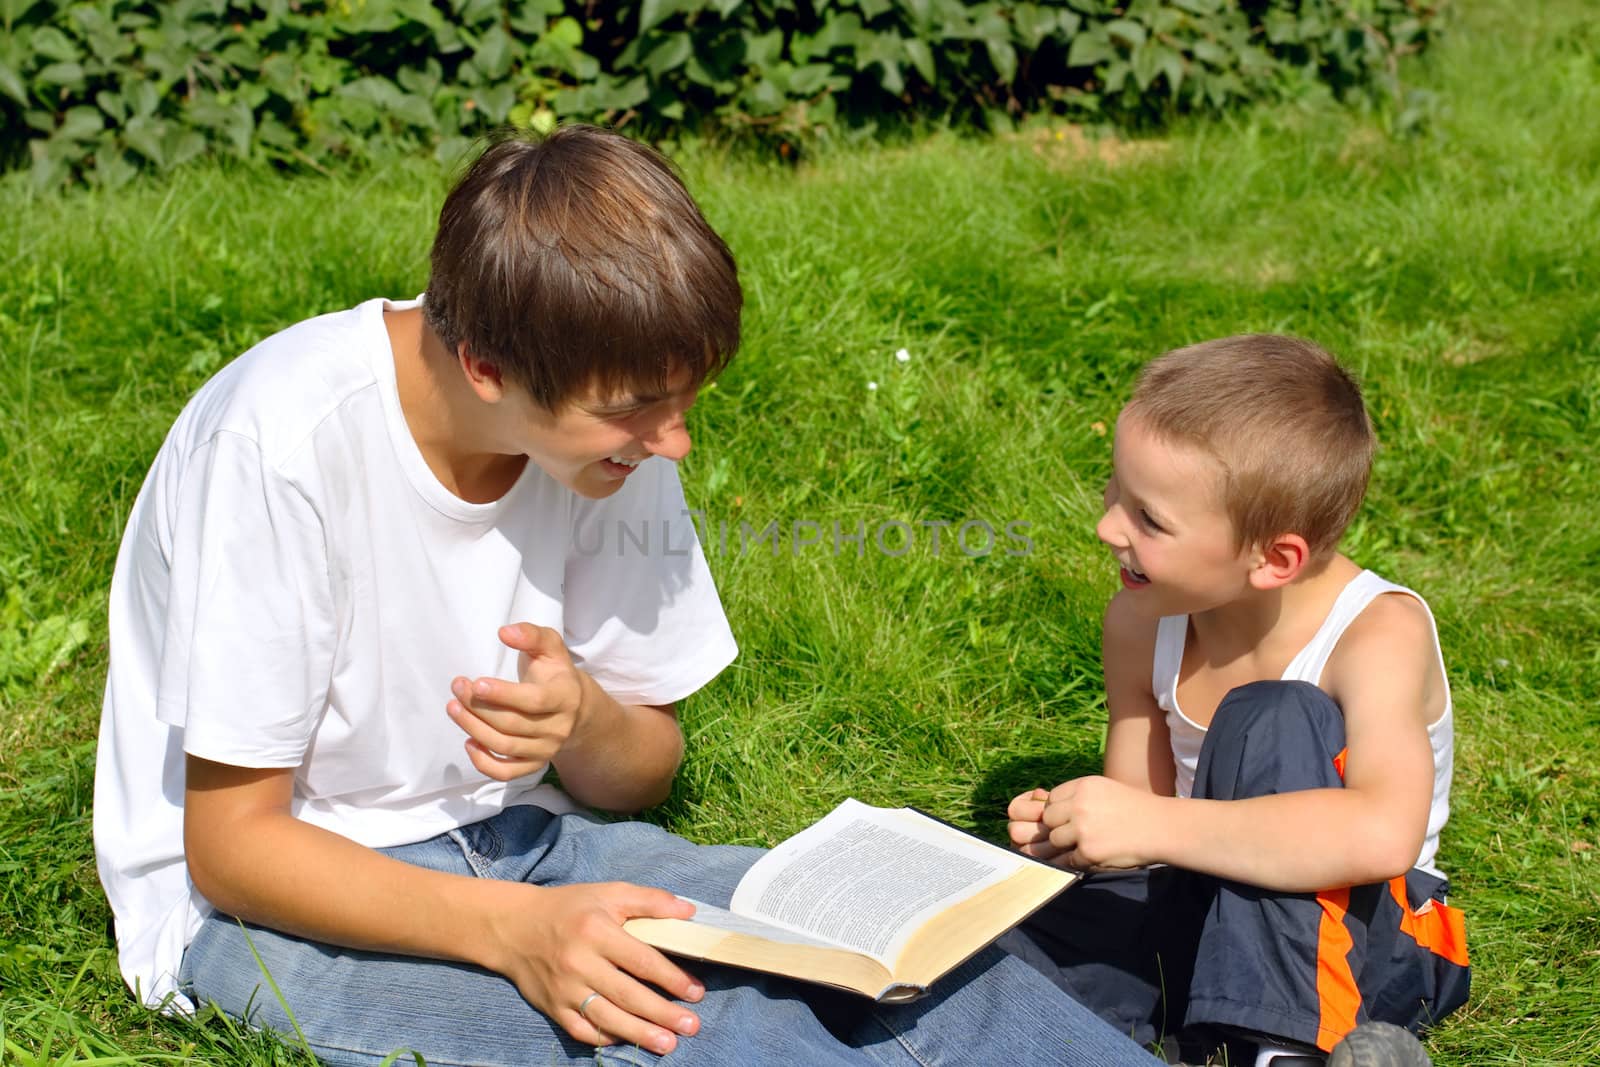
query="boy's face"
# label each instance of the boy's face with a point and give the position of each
(594, 441)
(1166, 525)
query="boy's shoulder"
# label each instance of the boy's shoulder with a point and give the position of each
(1395, 622)
(1391, 644)
(1127, 640)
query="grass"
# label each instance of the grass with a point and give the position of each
(1027, 278)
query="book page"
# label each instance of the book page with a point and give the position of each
(866, 878)
(722, 919)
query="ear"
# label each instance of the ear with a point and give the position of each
(483, 376)
(1280, 561)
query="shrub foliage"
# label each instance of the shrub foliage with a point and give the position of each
(101, 88)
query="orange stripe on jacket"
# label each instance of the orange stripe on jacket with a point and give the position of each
(1338, 999)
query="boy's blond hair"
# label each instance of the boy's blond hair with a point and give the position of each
(1284, 420)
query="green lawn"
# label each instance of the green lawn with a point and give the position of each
(1027, 277)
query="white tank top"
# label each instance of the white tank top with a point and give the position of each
(1307, 665)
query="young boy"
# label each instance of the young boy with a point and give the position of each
(1279, 730)
(357, 615)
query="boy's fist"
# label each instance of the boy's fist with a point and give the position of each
(1095, 822)
(516, 728)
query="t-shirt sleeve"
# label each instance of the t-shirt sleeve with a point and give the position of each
(641, 613)
(248, 647)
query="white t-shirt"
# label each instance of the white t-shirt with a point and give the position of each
(296, 589)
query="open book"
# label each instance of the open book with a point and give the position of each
(881, 901)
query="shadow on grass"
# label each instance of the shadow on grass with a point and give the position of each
(986, 811)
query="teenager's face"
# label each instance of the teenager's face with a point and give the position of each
(594, 442)
(1166, 525)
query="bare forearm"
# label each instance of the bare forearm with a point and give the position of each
(1292, 842)
(625, 757)
(274, 870)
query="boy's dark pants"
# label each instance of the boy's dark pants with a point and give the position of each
(1160, 950)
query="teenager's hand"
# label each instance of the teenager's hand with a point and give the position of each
(515, 728)
(1096, 822)
(568, 942)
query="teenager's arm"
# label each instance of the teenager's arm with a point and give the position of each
(610, 755)
(252, 859)
(1368, 831)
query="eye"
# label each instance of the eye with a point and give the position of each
(1150, 523)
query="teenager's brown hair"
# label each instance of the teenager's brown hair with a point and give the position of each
(1284, 420)
(580, 259)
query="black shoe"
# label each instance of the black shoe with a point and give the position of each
(1379, 1045)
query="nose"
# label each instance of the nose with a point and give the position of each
(1106, 528)
(670, 440)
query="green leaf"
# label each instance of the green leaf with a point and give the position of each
(1033, 24)
(1170, 64)
(81, 123)
(1004, 58)
(1089, 49)
(113, 105)
(1126, 31)
(493, 56)
(1210, 52)
(921, 57)
(12, 11)
(11, 84)
(142, 97)
(69, 75)
(566, 32)
(809, 79)
(763, 49)
(144, 135)
(652, 12)
(673, 52)
(1144, 64)
(53, 44)
(495, 101)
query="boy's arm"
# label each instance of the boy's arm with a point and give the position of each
(254, 860)
(1383, 677)
(1138, 747)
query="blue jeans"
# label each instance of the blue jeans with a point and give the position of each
(357, 1007)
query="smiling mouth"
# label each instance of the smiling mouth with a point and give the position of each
(629, 463)
(1134, 577)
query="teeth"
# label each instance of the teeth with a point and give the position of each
(626, 462)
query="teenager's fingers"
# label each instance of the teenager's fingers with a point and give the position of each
(1024, 833)
(533, 640)
(616, 1024)
(527, 744)
(500, 768)
(629, 901)
(502, 703)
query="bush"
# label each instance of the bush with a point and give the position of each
(101, 88)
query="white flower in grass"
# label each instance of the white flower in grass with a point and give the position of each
(872, 387)
(902, 356)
